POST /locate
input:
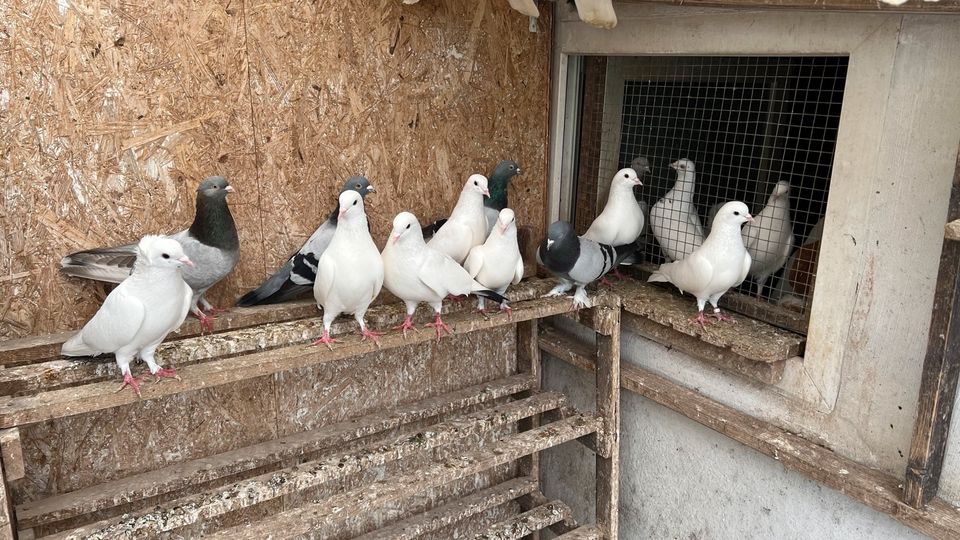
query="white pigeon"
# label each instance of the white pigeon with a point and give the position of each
(769, 239)
(466, 227)
(598, 13)
(720, 263)
(527, 7)
(497, 263)
(621, 220)
(350, 270)
(674, 220)
(139, 313)
(416, 272)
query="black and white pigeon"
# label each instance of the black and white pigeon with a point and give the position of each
(350, 270)
(498, 183)
(577, 261)
(139, 313)
(721, 262)
(211, 242)
(295, 278)
(416, 272)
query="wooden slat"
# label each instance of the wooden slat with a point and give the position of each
(246, 493)
(559, 344)
(316, 517)
(725, 359)
(749, 338)
(148, 486)
(7, 525)
(537, 498)
(941, 368)
(11, 451)
(22, 410)
(608, 408)
(589, 532)
(528, 361)
(456, 511)
(871, 487)
(911, 6)
(529, 522)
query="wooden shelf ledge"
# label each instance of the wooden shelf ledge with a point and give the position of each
(587, 532)
(529, 522)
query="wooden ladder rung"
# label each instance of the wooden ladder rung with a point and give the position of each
(535, 519)
(336, 465)
(587, 532)
(364, 500)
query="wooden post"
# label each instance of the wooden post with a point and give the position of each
(938, 383)
(7, 528)
(608, 407)
(528, 361)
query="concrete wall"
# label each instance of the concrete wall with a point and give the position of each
(856, 388)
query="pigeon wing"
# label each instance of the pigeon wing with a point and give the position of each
(474, 262)
(116, 323)
(323, 286)
(443, 275)
(518, 274)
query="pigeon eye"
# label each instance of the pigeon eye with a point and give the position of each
(165, 256)
(475, 183)
(358, 186)
(408, 225)
(736, 212)
(626, 175)
(354, 203)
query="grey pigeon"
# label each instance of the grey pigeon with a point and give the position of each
(769, 239)
(674, 220)
(496, 264)
(416, 272)
(577, 261)
(467, 224)
(720, 263)
(211, 242)
(350, 270)
(295, 278)
(498, 183)
(139, 313)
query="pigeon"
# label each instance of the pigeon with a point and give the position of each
(350, 270)
(497, 263)
(598, 13)
(211, 242)
(621, 220)
(674, 220)
(295, 278)
(769, 239)
(467, 223)
(577, 261)
(526, 7)
(416, 272)
(713, 268)
(139, 313)
(498, 183)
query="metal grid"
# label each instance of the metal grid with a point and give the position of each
(746, 123)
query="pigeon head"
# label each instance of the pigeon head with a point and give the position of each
(351, 205)
(214, 187)
(732, 213)
(360, 184)
(559, 232)
(626, 179)
(683, 167)
(641, 165)
(161, 252)
(504, 171)
(406, 227)
(477, 183)
(781, 190)
(499, 181)
(506, 221)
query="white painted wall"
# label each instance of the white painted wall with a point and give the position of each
(856, 390)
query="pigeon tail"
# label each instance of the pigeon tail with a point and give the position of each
(76, 347)
(112, 264)
(432, 228)
(276, 289)
(491, 295)
(658, 277)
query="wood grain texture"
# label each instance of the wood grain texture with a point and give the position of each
(115, 112)
(911, 6)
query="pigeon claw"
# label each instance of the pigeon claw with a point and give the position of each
(701, 320)
(407, 325)
(214, 311)
(326, 340)
(619, 275)
(605, 281)
(206, 322)
(366, 333)
(131, 381)
(166, 373)
(722, 317)
(508, 309)
(484, 312)
(440, 327)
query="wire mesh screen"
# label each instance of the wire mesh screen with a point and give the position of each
(761, 130)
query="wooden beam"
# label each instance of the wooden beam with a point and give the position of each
(7, 523)
(527, 523)
(11, 451)
(938, 380)
(608, 408)
(151, 487)
(589, 532)
(874, 6)
(456, 511)
(528, 362)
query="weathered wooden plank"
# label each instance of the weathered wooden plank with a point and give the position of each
(311, 520)
(259, 489)
(608, 408)
(748, 338)
(22, 410)
(941, 368)
(725, 359)
(537, 498)
(529, 522)
(448, 514)
(528, 361)
(148, 486)
(874, 488)
(911, 6)
(589, 532)
(7, 525)
(558, 344)
(11, 451)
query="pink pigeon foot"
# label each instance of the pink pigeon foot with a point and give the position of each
(130, 380)
(214, 311)
(483, 311)
(721, 317)
(206, 322)
(167, 373)
(326, 340)
(456, 298)
(373, 336)
(509, 311)
(605, 281)
(701, 320)
(620, 276)
(439, 326)
(407, 325)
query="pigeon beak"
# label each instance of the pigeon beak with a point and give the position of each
(229, 189)
(646, 169)
(503, 227)
(396, 238)
(370, 189)
(519, 170)
(486, 192)
(549, 243)
(342, 212)
(673, 165)
(637, 182)
(749, 218)
(186, 260)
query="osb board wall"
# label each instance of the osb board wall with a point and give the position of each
(111, 113)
